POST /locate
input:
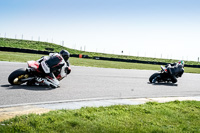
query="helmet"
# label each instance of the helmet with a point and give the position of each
(181, 62)
(65, 54)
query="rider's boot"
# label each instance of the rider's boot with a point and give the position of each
(52, 82)
(47, 81)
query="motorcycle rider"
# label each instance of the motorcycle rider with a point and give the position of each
(175, 70)
(55, 67)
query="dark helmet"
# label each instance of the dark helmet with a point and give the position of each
(65, 54)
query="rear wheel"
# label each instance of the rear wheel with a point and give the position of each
(153, 77)
(16, 76)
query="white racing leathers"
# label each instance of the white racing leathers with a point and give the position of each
(50, 64)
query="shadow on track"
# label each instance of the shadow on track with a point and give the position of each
(27, 87)
(163, 84)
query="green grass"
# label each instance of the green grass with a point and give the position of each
(36, 45)
(122, 65)
(18, 57)
(24, 57)
(151, 117)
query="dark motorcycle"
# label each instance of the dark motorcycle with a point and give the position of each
(28, 75)
(162, 76)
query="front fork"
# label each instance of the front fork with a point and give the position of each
(21, 79)
(156, 79)
(27, 79)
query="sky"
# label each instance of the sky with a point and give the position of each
(149, 28)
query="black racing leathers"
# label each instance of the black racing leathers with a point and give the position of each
(54, 63)
(51, 64)
(175, 70)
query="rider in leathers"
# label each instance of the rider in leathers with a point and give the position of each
(55, 67)
(175, 70)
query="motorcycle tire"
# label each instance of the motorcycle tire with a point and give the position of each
(15, 76)
(153, 76)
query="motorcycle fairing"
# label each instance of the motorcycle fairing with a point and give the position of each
(34, 65)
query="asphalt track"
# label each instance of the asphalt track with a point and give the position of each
(95, 83)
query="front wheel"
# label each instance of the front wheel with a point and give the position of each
(16, 76)
(152, 77)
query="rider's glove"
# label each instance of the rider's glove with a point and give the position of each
(68, 70)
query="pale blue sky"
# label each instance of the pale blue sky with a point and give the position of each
(152, 28)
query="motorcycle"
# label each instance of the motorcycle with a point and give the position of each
(162, 76)
(30, 75)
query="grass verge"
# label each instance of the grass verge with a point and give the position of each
(23, 57)
(150, 117)
(36, 45)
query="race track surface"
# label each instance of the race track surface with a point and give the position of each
(95, 83)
